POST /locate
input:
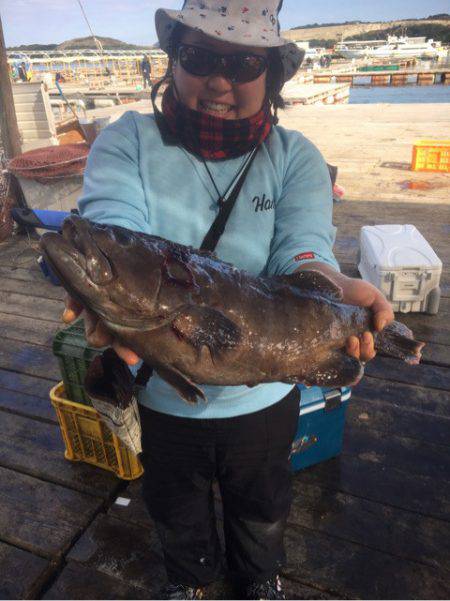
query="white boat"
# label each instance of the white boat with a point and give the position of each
(312, 55)
(395, 47)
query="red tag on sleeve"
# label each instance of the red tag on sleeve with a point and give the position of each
(303, 256)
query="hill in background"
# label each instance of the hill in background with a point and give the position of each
(89, 42)
(80, 43)
(435, 26)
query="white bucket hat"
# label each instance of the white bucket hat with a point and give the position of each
(244, 22)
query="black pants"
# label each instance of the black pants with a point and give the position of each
(248, 455)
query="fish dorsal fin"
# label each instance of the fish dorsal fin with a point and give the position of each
(310, 280)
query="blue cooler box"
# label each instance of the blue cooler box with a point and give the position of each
(320, 425)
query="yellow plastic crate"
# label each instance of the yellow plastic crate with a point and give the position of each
(431, 155)
(88, 439)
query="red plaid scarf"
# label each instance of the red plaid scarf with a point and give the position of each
(214, 138)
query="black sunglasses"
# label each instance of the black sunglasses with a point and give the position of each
(238, 68)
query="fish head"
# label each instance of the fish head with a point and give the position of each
(113, 271)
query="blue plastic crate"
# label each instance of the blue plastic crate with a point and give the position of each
(320, 426)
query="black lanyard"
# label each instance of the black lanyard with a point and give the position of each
(226, 204)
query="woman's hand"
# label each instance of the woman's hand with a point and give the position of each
(96, 333)
(363, 294)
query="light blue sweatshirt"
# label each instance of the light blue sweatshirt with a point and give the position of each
(282, 218)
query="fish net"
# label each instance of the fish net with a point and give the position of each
(50, 163)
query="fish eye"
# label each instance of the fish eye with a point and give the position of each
(123, 237)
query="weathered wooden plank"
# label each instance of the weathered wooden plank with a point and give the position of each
(27, 405)
(31, 306)
(18, 252)
(21, 573)
(136, 511)
(29, 359)
(394, 421)
(36, 448)
(437, 354)
(359, 211)
(401, 396)
(130, 553)
(28, 330)
(430, 328)
(10, 380)
(398, 450)
(361, 477)
(431, 376)
(41, 517)
(77, 581)
(35, 287)
(358, 572)
(296, 590)
(401, 533)
(30, 274)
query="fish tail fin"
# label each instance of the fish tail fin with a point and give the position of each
(397, 340)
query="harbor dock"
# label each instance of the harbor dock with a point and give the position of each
(371, 523)
(315, 93)
(400, 77)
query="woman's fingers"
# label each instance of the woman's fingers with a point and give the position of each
(72, 309)
(382, 312)
(383, 318)
(352, 347)
(367, 348)
(125, 353)
(96, 333)
(361, 348)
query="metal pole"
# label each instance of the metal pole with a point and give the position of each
(8, 121)
(9, 130)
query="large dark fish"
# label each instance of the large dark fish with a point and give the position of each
(198, 320)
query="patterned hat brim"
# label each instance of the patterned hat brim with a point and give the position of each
(291, 55)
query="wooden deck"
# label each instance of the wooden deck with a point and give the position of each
(373, 523)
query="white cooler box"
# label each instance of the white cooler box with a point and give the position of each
(399, 261)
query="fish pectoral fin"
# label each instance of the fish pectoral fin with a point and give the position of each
(339, 369)
(202, 326)
(314, 281)
(185, 387)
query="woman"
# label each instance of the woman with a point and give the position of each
(167, 174)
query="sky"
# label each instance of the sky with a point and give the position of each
(54, 21)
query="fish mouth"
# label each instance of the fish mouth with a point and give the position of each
(70, 267)
(78, 262)
(86, 273)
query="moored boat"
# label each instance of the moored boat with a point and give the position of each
(394, 48)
